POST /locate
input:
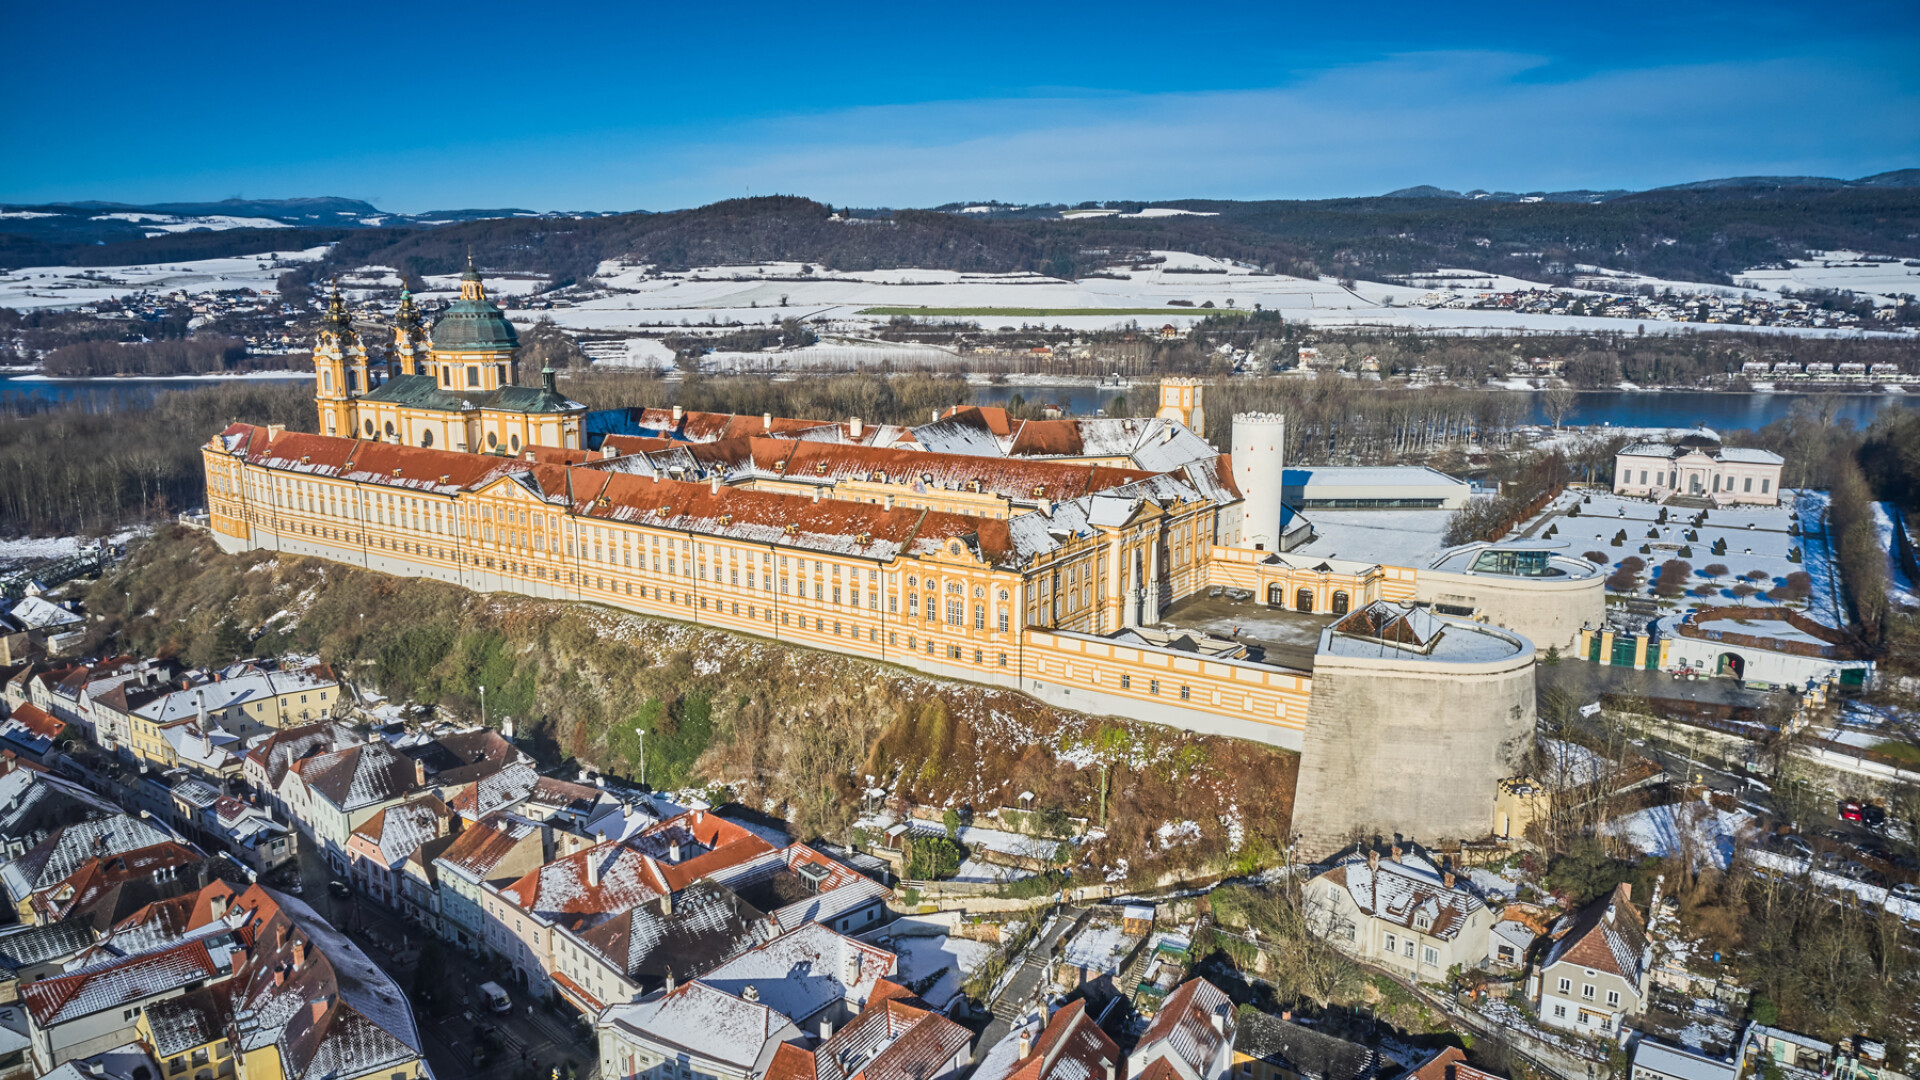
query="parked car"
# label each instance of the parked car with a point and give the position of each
(339, 889)
(1874, 814)
(1905, 892)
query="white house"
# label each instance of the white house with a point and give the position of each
(1696, 465)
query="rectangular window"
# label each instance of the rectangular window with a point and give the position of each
(1185, 692)
(1560, 1012)
(1126, 682)
(1003, 620)
(1566, 986)
(1586, 992)
(1432, 956)
(1613, 998)
(1393, 945)
(1764, 484)
(1153, 686)
(1749, 485)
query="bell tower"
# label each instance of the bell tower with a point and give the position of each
(339, 367)
(409, 337)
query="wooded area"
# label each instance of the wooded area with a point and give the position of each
(73, 471)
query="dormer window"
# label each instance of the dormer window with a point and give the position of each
(1423, 921)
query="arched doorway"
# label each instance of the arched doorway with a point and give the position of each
(1276, 596)
(1303, 601)
(1732, 665)
(1340, 603)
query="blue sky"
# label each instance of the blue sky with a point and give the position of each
(650, 106)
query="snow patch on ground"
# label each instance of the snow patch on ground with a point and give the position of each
(1666, 831)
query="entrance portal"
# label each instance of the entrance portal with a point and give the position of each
(1732, 665)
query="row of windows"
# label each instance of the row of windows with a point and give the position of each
(1587, 992)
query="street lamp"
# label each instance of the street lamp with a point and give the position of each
(483, 706)
(642, 733)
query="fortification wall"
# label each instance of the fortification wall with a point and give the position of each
(1544, 610)
(1410, 746)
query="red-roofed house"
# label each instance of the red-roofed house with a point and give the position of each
(1595, 976)
(1191, 1037)
(1069, 1046)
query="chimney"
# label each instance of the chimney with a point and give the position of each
(934, 415)
(666, 903)
(608, 453)
(1026, 1043)
(766, 421)
(715, 487)
(1373, 859)
(826, 1028)
(1446, 879)
(855, 427)
(679, 414)
(274, 431)
(816, 494)
(673, 851)
(218, 906)
(751, 993)
(889, 500)
(670, 983)
(1395, 851)
(419, 773)
(299, 953)
(279, 976)
(850, 970)
(593, 868)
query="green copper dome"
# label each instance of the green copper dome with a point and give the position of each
(473, 326)
(473, 323)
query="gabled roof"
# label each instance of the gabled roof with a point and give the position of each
(106, 888)
(1194, 1024)
(589, 886)
(359, 775)
(703, 925)
(896, 1037)
(701, 1020)
(1608, 935)
(483, 844)
(396, 832)
(1069, 1046)
(122, 981)
(68, 848)
(165, 922)
(277, 753)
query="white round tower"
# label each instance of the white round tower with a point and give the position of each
(1259, 450)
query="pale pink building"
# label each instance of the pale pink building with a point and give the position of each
(1697, 466)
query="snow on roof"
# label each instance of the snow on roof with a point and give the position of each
(704, 1020)
(1680, 1064)
(481, 845)
(122, 981)
(226, 693)
(59, 855)
(805, 970)
(1410, 892)
(1184, 1027)
(394, 833)
(1384, 629)
(38, 613)
(1069, 1046)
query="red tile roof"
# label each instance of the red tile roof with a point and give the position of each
(38, 720)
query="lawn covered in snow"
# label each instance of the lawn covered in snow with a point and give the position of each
(35, 287)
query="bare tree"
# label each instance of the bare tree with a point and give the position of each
(1557, 402)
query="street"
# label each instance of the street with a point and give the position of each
(525, 1041)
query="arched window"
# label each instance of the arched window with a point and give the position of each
(1303, 601)
(1276, 596)
(326, 380)
(515, 441)
(426, 437)
(1340, 603)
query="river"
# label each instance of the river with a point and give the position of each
(112, 394)
(1616, 408)
(1646, 408)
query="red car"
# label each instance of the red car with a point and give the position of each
(1851, 811)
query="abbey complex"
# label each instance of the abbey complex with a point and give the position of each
(1055, 557)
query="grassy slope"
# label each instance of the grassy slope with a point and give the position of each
(801, 731)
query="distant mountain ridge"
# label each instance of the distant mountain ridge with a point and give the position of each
(1705, 231)
(1899, 178)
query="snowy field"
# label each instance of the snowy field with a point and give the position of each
(1756, 539)
(645, 300)
(37, 287)
(1886, 280)
(921, 957)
